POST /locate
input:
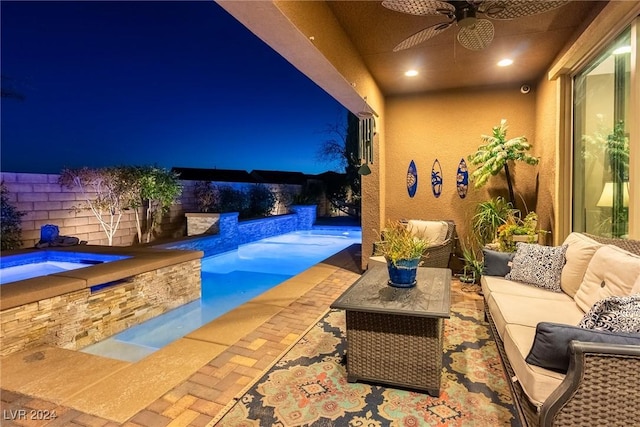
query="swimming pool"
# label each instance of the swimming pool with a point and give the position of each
(229, 280)
(45, 262)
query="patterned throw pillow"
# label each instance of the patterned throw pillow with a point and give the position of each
(538, 265)
(615, 314)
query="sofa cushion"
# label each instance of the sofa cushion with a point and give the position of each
(537, 383)
(523, 310)
(501, 285)
(615, 314)
(496, 263)
(611, 271)
(580, 250)
(538, 265)
(550, 347)
(435, 232)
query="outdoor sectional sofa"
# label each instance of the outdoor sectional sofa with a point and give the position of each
(538, 337)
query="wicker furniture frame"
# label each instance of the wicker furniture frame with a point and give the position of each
(602, 385)
(437, 256)
(394, 336)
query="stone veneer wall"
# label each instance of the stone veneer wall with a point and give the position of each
(232, 233)
(78, 319)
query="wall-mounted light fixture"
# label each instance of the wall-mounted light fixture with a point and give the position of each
(366, 132)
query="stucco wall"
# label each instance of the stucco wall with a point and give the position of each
(447, 126)
(545, 147)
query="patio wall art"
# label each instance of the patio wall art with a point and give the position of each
(412, 179)
(462, 179)
(436, 179)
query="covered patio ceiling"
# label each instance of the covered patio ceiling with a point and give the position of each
(532, 42)
(357, 39)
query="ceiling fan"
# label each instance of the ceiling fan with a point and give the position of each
(474, 33)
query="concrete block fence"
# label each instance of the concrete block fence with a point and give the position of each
(44, 201)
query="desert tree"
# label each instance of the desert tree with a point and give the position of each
(341, 147)
(153, 190)
(106, 192)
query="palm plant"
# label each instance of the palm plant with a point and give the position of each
(489, 216)
(496, 152)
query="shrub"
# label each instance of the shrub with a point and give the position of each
(206, 196)
(11, 233)
(232, 200)
(261, 201)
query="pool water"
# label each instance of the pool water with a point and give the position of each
(43, 263)
(229, 280)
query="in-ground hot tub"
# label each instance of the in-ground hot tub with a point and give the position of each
(120, 287)
(42, 263)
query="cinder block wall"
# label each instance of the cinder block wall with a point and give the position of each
(44, 201)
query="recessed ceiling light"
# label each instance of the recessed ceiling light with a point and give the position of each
(411, 73)
(505, 62)
(622, 49)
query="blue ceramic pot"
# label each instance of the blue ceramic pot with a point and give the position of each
(402, 274)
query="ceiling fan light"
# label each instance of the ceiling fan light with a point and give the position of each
(466, 18)
(477, 37)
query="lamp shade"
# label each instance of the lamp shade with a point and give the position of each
(606, 198)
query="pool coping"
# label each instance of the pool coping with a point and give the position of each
(124, 393)
(142, 260)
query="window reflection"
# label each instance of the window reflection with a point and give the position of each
(601, 146)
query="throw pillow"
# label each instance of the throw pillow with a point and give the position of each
(611, 271)
(580, 250)
(496, 263)
(538, 265)
(435, 232)
(615, 314)
(550, 347)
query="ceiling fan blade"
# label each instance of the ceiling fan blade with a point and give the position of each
(420, 7)
(422, 36)
(477, 36)
(511, 9)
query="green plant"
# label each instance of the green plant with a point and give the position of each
(11, 232)
(156, 190)
(489, 216)
(526, 228)
(496, 153)
(473, 263)
(107, 192)
(398, 242)
(232, 200)
(205, 195)
(261, 201)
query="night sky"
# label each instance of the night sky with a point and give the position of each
(143, 83)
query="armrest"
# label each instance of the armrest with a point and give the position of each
(602, 387)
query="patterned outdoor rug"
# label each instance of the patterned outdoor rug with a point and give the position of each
(308, 385)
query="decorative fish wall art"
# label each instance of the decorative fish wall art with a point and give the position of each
(412, 179)
(462, 179)
(436, 178)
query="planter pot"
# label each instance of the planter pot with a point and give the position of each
(402, 274)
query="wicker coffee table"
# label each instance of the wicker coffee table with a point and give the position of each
(394, 335)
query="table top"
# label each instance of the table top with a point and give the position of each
(371, 293)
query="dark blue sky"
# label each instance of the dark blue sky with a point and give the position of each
(166, 83)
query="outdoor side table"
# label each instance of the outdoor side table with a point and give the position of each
(394, 335)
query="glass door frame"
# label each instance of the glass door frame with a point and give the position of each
(617, 18)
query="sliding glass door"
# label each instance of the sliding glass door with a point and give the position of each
(601, 142)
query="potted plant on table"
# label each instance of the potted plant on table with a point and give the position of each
(403, 252)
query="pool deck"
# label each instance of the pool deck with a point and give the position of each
(186, 383)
